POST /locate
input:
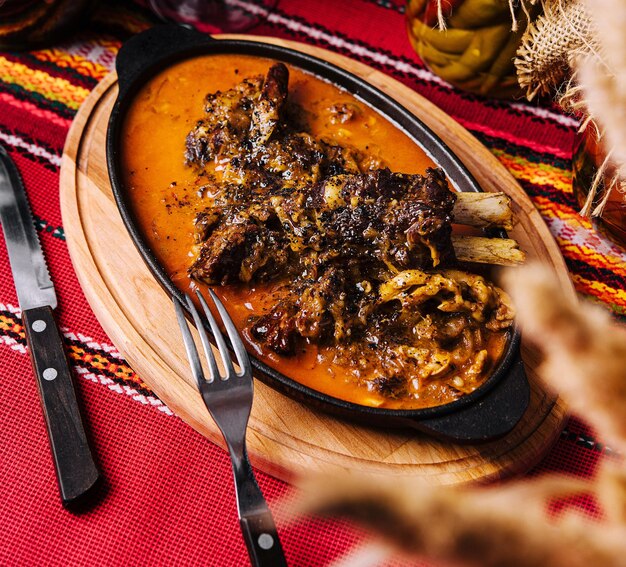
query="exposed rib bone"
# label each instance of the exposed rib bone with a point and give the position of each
(482, 250)
(483, 210)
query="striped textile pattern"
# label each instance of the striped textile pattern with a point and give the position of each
(41, 91)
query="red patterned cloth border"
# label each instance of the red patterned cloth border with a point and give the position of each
(168, 497)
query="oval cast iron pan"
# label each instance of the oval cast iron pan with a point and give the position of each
(489, 412)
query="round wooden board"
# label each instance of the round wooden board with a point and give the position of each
(285, 438)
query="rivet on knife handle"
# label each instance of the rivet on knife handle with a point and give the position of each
(75, 467)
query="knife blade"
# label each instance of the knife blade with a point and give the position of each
(75, 468)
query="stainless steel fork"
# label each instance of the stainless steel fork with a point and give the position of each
(229, 399)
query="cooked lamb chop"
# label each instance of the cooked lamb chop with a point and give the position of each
(402, 220)
(439, 313)
(226, 124)
(310, 212)
(240, 121)
(247, 128)
(268, 111)
(237, 246)
(328, 305)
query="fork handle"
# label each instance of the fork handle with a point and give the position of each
(261, 537)
(256, 521)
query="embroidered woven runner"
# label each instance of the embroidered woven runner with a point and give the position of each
(168, 497)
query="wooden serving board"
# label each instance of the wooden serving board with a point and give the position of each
(285, 438)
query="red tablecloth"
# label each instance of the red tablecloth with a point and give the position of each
(168, 496)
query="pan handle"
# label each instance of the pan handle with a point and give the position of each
(156, 44)
(492, 416)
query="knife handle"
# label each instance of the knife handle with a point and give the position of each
(74, 464)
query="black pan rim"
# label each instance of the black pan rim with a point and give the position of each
(384, 105)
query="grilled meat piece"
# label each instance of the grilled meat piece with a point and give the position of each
(396, 221)
(239, 119)
(309, 211)
(238, 251)
(292, 160)
(226, 124)
(205, 222)
(402, 220)
(327, 308)
(251, 131)
(277, 329)
(421, 324)
(268, 111)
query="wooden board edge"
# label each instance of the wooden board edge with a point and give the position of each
(69, 169)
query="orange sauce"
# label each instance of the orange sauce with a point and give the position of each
(155, 174)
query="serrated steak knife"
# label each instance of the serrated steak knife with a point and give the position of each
(75, 467)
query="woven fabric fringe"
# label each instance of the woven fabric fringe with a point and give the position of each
(545, 58)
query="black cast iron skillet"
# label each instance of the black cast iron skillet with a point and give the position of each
(489, 412)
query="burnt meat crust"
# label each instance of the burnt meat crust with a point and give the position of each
(343, 231)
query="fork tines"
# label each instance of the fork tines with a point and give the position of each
(192, 351)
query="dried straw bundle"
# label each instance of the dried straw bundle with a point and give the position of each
(577, 48)
(550, 45)
(602, 78)
(585, 351)
(480, 527)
